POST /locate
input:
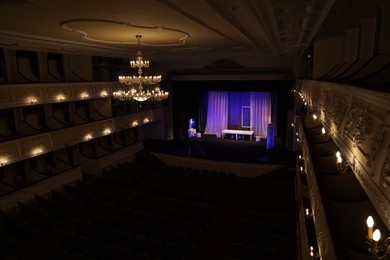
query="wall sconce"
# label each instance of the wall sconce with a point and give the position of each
(315, 117)
(107, 131)
(84, 95)
(37, 151)
(33, 101)
(88, 137)
(309, 215)
(60, 98)
(3, 163)
(314, 255)
(146, 120)
(377, 251)
(135, 123)
(342, 167)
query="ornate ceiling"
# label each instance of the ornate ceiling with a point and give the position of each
(170, 29)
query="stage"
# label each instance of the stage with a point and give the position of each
(212, 148)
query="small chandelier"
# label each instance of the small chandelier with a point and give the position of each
(140, 95)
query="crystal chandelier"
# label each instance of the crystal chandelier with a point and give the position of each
(139, 81)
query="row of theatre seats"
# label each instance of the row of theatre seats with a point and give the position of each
(268, 229)
(127, 173)
(33, 220)
(87, 227)
(206, 186)
(83, 220)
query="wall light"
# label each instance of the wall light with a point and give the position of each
(377, 251)
(342, 167)
(3, 163)
(104, 93)
(309, 215)
(37, 151)
(313, 255)
(135, 123)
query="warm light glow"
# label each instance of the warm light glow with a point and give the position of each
(339, 160)
(107, 131)
(33, 101)
(300, 157)
(292, 125)
(37, 151)
(370, 224)
(60, 98)
(338, 154)
(370, 221)
(135, 123)
(301, 168)
(84, 95)
(104, 93)
(146, 120)
(376, 235)
(323, 130)
(88, 137)
(314, 116)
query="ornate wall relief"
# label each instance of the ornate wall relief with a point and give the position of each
(361, 129)
(364, 118)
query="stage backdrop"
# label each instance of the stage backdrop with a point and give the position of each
(240, 111)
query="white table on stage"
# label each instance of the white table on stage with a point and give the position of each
(237, 133)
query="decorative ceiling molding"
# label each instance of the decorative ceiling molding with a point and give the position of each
(83, 27)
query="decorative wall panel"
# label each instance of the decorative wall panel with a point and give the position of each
(360, 121)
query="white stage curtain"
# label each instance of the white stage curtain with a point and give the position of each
(217, 112)
(261, 111)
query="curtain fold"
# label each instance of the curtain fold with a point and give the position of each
(217, 112)
(261, 111)
(224, 111)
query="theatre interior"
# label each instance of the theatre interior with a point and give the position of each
(195, 130)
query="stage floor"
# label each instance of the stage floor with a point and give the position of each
(225, 150)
